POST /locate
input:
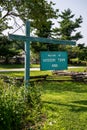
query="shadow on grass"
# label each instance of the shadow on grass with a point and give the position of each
(11, 66)
(71, 106)
(65, 86)
(82, 102)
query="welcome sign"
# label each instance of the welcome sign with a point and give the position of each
(49, 60)
(53, 60)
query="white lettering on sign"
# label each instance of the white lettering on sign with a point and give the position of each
(51, 55)
(59, 55)
(54, 65)
(49, 60)
(61, 59)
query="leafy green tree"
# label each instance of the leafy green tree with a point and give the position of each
(3, 24)
(83, 52)
(6, 49)
(39, 12)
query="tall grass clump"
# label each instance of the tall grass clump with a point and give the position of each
(20, 107)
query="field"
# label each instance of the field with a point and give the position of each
(64, 103)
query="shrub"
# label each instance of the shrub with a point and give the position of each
(20, 108)
(76, 61)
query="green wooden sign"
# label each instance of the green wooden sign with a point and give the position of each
(53, 60)
(27, 39)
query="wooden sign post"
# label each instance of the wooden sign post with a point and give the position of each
(27, 39)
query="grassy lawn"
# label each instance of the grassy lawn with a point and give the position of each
(21, 74)
(65, 105)
(38, 73)
(9, 66)
(78, 69)
(12, 66)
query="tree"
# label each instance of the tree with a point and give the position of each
(44, 31)
(83, 52)
(68, 30)
(3, 24)
(68, 26)
(6, 49)
(37, 11)
(81, 46)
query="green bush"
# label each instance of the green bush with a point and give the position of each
(84, 63)
(20, 108)
(78, 62)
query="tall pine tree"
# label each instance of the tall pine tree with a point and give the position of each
(69, 26)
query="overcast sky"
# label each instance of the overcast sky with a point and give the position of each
(78, 7)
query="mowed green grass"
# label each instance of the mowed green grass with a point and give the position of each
(77, 69)
(65, 106)
(12, 66)
(21, 73)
